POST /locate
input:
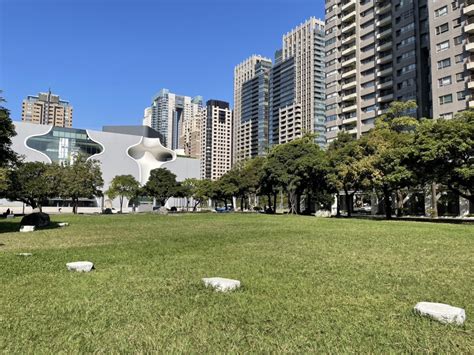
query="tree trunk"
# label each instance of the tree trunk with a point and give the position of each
(74, 205)
(269, 200)
(195, 206)
(121, 203)
(338, 206)
(388, 202)
(348, 203)
(242, 204)
(399, 203)
(434, 200)
(275, 194)
(298, 203)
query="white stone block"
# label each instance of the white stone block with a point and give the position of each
(9, 216)
(220, 284)
(80, 266)
(24, 254)
(25, 229)
(63, 224)
(441, 312)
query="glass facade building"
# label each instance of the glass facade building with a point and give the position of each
(61, 145)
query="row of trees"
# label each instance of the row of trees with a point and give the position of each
(400, 155)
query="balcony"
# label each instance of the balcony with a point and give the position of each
(348, 27)
(469, 27)
(384, 21)
(349, 62)
(349, 108)
(383, 9)
(471, 104)
(386, 33)
(349, 120)
(470, 85)
(349, 73)
(384, 46)
(386, 59)
(469, 10)
(385, 85)
(470, 65)
(348, 5)
(348, 39)
(350, 85)
(385, 98)
(470, 46)
(385, 72)
(348, 17)
(349, 50)
(349, 97)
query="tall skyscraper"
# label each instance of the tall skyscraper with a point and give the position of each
(243, 72)
(297, 85)
(216, 140)
(169, 112)
(47, 109)
(305, 44)
(253, 131)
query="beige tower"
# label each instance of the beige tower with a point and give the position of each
(47, 109)
(216, 140)
(243, 72)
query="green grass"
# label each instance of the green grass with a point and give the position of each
(309, 285)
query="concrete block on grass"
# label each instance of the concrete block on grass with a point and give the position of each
(441, 312)
(24, 254)
(9, 216)
(80, 266)
(63, 224)
(25, 229)
(221, 284)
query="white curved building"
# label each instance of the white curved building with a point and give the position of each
(121, 150)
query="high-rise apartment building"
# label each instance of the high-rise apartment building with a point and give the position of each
(169, 112)
(216, 140)
(243, 72)
(451, 29)
(378, 52)
(47, 109)
(297, 85)
(253, 131)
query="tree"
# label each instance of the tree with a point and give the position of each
(81, 179)
(224, 189)
(161, 185)
(445, 153)
(123, 186)
(386, 150)
(199, 190)
(346, 172)
(34, 183)
(7, 132)
(299, 166)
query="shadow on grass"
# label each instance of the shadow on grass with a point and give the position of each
(14, 226)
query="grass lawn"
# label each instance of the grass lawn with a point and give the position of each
(308, 285)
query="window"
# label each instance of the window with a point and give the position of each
(458, 40)
(442, 29)
(446, 116)
(444, 63)
(442, 11)
(461, 95)
(459, 58)
(445, 81)
(442, 46)
(459, 77)
(445, 99)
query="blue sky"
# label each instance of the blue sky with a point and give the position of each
(109, 57)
